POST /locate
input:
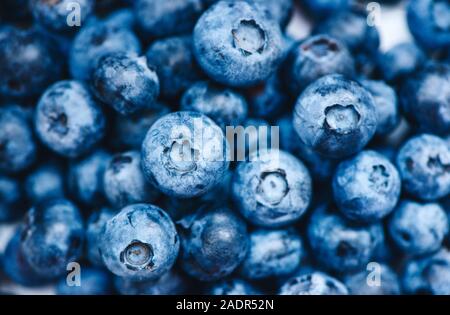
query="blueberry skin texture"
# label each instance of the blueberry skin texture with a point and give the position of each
(11, 198)
(52, 237)
(429, 23)
(17, 144)
(351, 28)
(323, 8)
(45, 182)
(278, 10)
(314, 57)
(170, 283)
(340, 245)
(367, 187)
(86, 178)
(165, 18)
(16, 267)
(389, 282)
(124, 183)
(94, 230)
(68, 120)
(175, 64)
(223, 105)
(214, 243)
(129, 131)
(272, 253)
(423, 165)
(53, 15)
(400, 61)
(425, 96)
(185, 154)
(272, 189)
(428, 275)
(94, 281)
(418, 229)
(386, 104)
(233, 286)
(236, 44)
(125, 83)
(28, 62)
(139, 243)
(336, 117)
(314, 283)
(96, 39)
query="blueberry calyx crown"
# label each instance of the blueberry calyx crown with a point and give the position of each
(341, 119)
(272, 187)
(249, 37)
(137, 255)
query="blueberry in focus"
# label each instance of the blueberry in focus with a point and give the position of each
(52, 237)
(315, 283)
(139, 243)
(272, 253)
(223, 105)
(423, 162)
(18, 147)
(336, 117)
(272, 189)
(124, 182)
(314, 57)
(278, 10)
(236, 44)
(94, 230)
(68, 119)
(366, 187)
(418, 229)
(125, 83)
(94, 281)
(214, 243)
(185, 154)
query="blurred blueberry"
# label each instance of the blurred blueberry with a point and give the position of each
(11, 199)
(45, 182)
(233, 286)
(323, 8)
(139, 243)
(315, 283)
(272, 189)
(364, 283)
(94, 230)
(336, 117)
(93, 281)
(68, 120)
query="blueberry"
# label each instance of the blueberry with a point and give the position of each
(223, 105)
(93, 281)
(11, 198)
(418, 229)
(424, 165)
(236, 44)
(55, 15)
(272, 253)
(125, 83)
(68, 120)
(96, 39)
(428, 275)
(16, 267)
(340, 245)
(165, 18)
(28, 62)
(278, 10)
(363, 283)
(272, 189)
(256, 135)
(313, 58)
(400, 61)
(94, 230)
(425, 98)
(121, 18)
(123, 181)
(139, 243)
(86, 178)
(17, 143)
(184, 154)
(52, 237)
(352, 29)
(129, 131)
(429, 23)
(366, 187)
(214, 243)
(336, 117)
(233, 286)
(323, 8)
(315, 283)
(170, 283)
(45, 182)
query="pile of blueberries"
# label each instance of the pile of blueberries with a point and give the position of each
(101, 167)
